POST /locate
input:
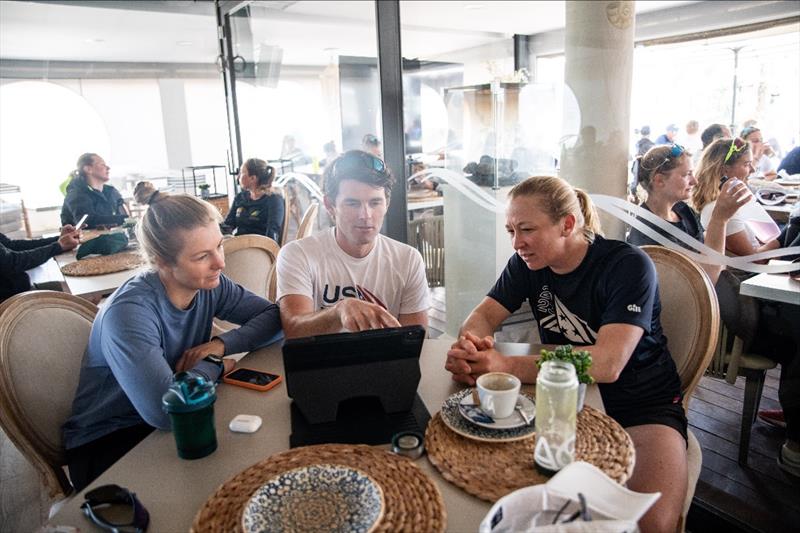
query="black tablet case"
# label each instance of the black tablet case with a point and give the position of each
(355, 387)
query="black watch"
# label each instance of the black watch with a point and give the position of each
(216, 359)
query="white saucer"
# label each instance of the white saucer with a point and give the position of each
(467, 409)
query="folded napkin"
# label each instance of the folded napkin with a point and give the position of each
(108, 244)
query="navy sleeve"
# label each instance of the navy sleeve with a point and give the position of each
(230, 220)
(513, 285)
(17, 262)
(275, 217)
(628, 290)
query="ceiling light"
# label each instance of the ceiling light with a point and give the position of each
(94, 41)
(474, 5)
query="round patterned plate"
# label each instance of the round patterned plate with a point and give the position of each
(452, 418)
(473, 413)
(315, 498)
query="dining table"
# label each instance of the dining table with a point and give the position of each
(174, 489)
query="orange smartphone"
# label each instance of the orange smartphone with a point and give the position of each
(252, 379)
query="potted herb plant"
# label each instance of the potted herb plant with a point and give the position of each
(204, 192)
(580, 359)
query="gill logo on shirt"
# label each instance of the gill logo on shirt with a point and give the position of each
(633, 308)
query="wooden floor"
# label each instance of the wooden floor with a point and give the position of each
(760, 497)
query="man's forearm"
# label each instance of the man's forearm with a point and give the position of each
(317, 323)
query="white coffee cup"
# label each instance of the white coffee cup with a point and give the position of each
(498, 393)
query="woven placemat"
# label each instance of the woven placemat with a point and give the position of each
(413, 502)
(492, 470)
(103, 264)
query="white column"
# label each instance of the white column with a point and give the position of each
(176, 123)
(598, 69)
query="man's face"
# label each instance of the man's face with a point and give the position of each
(358, 211)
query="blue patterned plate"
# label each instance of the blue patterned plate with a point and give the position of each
(452, 418)
(315, 498)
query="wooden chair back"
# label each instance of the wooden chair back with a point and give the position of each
(39, 375)
(427, 235)
(689, 314)
(306, 226)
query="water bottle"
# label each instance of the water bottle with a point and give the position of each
(556, 415)
(189, 401)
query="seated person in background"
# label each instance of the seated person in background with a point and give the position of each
(17, 256)
(601, 295)
(731, 158)
(714, 132)
(668, 137)
(763, 153)
(665, 172)
(350, 277)
(258, 209)
(158, 323)
(791, 163)
(371, 145)
(88, 193)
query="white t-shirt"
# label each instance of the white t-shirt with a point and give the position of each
(316, 267)
(734, 225)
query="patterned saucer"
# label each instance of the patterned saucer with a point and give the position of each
(315, 498)
(452, 419)
(474, 414)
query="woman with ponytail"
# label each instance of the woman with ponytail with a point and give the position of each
(258, 209)
(88, 193)
(155, 324)
(601, 295)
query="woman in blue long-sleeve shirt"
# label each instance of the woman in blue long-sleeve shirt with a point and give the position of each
(158, 323)
(258, 209)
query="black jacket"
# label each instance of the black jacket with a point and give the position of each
(17, 256)
(262, 217)
(104, 208)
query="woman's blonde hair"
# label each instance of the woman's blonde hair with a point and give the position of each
(711, 168)
(557, 199)
(160, 230)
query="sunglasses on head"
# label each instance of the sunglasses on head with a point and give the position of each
(357, 159)
(116, 509)
(676, 150)
(737, 145)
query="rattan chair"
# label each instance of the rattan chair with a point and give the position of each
(740, 321)
(426, 234)
(249, 260)
(306, 226)
(39, 374)
(690, 320)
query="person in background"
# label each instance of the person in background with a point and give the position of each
(791, 163)
(665, 172)
(258, 209)
(89, 193)
(290, 152)
(763, 154)
(734, 159)
(350, 277)
(331, 153)
(644, 144)
(714, 132)
(372, 145)
(690, 139)
(668, 137)
(17, 256)
(601, 295)
(155, 324)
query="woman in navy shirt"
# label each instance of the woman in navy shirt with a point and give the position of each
(603, 296)
(258, 209)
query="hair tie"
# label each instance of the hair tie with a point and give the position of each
(152, 198)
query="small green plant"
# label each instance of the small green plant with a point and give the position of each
(581, 359)
(204, 186)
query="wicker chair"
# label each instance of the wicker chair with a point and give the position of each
(690, 320)
(39, 375)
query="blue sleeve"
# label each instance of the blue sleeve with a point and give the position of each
(259, 318)
(513, 285)
(628, 290)
(130, 340)
(275, 215)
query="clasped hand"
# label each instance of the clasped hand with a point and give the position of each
(470, 356)
(194, 355)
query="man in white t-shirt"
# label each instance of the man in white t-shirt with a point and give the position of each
(350, 277)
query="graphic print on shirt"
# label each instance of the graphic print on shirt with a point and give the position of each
(557, 318)
(331, 296)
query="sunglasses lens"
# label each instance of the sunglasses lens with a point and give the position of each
(116, 514)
